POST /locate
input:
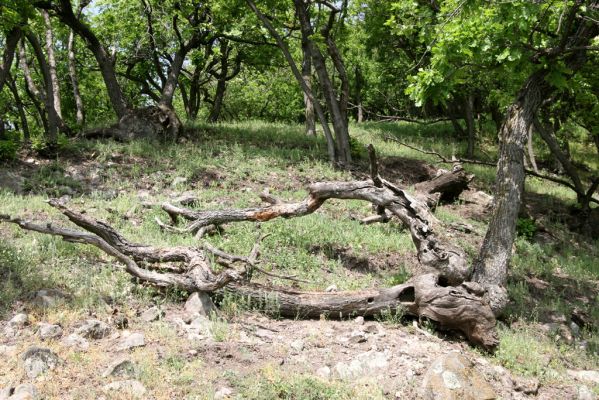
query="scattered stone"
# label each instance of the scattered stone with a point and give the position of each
(575, 329)
(38, 360)
(223, 393)
(359, 320)
(589, 376)
(8, 350)
(297, 345)
(560, 330)
(199, 303)
(49, 331)
(584, 393)
(357, 337)
(122, 367)
(93, 329)
(264, 334)
(25, 391)
(74, 340)
(133, 340)
(49, 297)
(332, 288)
(19, 320)
(152, 314)
(365, 364)
(526, 386)
(452, 377)
(324, 372)
(371, 328)
(131, 387)
(179, 180)
(121, 322)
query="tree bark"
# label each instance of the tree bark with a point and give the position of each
(470, 126)
(310, 123)
(80, 115)
(12, 38)
(359, 83)
(20, 108)
(52, 64)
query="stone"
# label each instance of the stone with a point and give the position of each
(582, 375)
(75, 340)
(49, 297)
(357, 337)
(584, 393)
(19, 320)
(124, 388)
(223, 393)
(38, 360)
(199, 303)
(122, 367)
(453, 377)
(359, 320)
(8, 350)
(575, 329)
(131, 341)
(297, 345)
(25, 391)
(152, 314)
(324, 372)
(526, 386)
(179, 180)
(332, 288)
(49, 331)
(264, 334)
(371, 328)
(365, 364)
(93, 329)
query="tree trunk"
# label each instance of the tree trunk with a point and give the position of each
(331, 148)
(52, 64)
(471, 127)
(310, 123)
(531, 152)
(79, 116)
(12, 38)
(334, 106)
(359, 84)
(20, 108)
(491, 265)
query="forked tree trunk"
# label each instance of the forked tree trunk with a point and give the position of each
(10, 45)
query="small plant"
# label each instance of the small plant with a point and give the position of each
(392, 316)
(9, 147)
(526, 227)
(399, 277)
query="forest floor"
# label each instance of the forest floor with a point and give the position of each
(549, 334)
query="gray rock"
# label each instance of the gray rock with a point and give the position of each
(371, 328)
(178, 181)
(19, 320)
(357, 337)
(575, 329)
(8, 350)
(49, 331)
(324, 372)
(50, 297)
(582, 375)
(297, 345)
(74, 340)
(25, 391)
(5, 393)
(332, 288)
(131, 341)
(152, 314)
(526, 386)
(359, 320)
(131, 387)
(223, 393)
(93, 329)
(122, 367)
(365, 364)
(38, 360)
(584, 393)
(453, 377)
(199, 303)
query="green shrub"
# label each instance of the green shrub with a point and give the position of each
(9, 147)
(526, 227)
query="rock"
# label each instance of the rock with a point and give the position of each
(199, 303)
(324, 372)
(49, 297)
(19, 320)
(93, 329)
(7, 350)
(371, 328)
(131, 388)
(264, 334)
(151, 314)
(332, 288)
(584, 393)
(453, 377)
(25, 391)
(575, 329)
(297, 345)
(38, 360)
(49, 331)
(223, 393)
(582, 375)
(74, 340)
(179, 180)
(133, 340)
(349, 371)
(526, 386)
(122, 368)
(560, 330)
(357, 337)
(359, 320)
(365, 364)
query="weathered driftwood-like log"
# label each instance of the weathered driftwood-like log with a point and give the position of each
(446, 186)
(460, 307)
(433, 250)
